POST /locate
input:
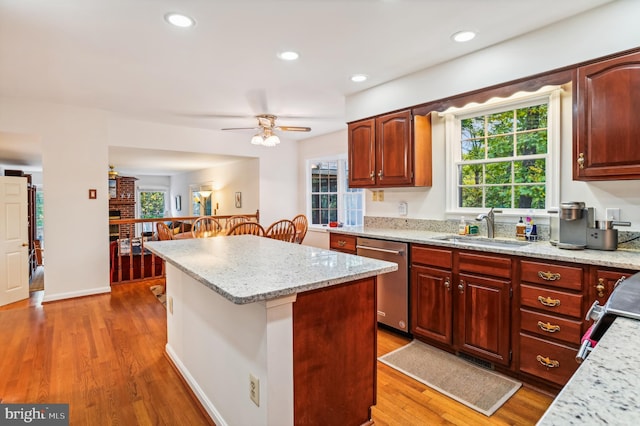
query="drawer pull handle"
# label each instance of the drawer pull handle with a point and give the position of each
(547, 301)
(342, 243)
(600, 287)
(447, 284)
(581, 160)
(547, 362)
(549, 276)
(548, 327)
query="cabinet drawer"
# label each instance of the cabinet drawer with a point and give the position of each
(341, 242)
(549, 326)
(551, 301)
(552, 275)
(551, 361)
(431, 256)
(487, 265)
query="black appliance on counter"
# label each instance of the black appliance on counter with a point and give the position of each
(623, 302)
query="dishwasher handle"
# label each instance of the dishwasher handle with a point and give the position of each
(398, 252)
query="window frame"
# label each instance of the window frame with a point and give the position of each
(452, 119)
(342, 180)
(145, 227)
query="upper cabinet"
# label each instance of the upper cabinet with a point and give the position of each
(392, 150)
(607, 129)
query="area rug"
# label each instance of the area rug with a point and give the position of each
(480, 389)
(157, 290)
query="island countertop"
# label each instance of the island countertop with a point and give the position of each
(247, 268)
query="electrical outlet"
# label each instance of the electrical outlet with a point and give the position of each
(170, 305)
(374, 195)
(254, 389)
(612, 214)
(381, 195)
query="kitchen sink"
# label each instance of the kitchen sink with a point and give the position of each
(481, 241)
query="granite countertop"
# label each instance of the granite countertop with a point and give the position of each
(246, 268)
(621, 258)
(606, 387)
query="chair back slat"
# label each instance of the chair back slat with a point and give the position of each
(164, 233)
(205, 226)
(302, 224)
(244, 228)
(283, 229)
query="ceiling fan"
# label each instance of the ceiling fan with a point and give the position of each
(267, 127)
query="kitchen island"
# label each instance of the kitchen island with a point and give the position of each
(266, 332)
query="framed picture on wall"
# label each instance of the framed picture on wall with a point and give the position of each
(238, 199)
(178, 203)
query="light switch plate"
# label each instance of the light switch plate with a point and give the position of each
(612, 214)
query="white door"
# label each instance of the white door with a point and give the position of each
(14, 241)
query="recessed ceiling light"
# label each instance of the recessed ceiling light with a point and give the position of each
(359, 78)
(462, 36)
(288, 55)
(179, 20)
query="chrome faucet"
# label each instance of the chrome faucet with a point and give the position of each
(491, 220)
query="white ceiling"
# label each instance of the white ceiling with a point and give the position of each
(121, 56)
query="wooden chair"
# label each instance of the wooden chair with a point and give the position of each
(205, 226)
(164, 232)
(302, 224)
(252, 228)
(234, 220)
(283, 230)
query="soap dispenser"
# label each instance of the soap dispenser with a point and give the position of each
(521, 230)
(462, 228)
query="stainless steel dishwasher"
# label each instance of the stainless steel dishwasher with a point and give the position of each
(393, 288)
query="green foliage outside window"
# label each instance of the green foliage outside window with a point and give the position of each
(151, 204)
(503, 159)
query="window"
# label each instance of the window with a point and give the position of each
(331, 200)
(505, 156)
(152, 204)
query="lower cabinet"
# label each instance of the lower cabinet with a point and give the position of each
(467, 309)
(552, 307)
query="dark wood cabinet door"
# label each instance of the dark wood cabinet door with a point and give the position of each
(362, 154)
(431, 315)
(602, 284)
(394, 149)
(483, 326)
(607, 131)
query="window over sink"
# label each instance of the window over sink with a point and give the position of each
(329, 197)
(504, 153)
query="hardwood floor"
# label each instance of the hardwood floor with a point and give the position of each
(104, 355)
(403, 401)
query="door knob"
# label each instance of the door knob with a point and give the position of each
(25, 244)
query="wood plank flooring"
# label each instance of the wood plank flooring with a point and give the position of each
(104, 355)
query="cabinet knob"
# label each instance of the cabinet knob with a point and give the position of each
(379, 174)
(581, 160)
(549, 276)
(547, 301)
(600, 287)
(372, 175)
(461, 286)
(548, 362)
(447, 284)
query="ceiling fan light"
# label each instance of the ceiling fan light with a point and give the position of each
(257, 140)
(272, 140)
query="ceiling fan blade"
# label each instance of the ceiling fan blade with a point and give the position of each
(293, 129)
(241, 128)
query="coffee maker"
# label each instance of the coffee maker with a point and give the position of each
(578, 228)
(575, 220)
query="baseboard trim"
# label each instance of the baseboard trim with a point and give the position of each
(72, 294)
(193, 386)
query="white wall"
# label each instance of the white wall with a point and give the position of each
(75, 144)
(239, 176)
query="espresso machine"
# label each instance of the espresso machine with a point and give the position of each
(578, 228)
(575, 220)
